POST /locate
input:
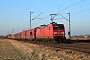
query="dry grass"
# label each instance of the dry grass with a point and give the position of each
(17, 50)
(79, 38)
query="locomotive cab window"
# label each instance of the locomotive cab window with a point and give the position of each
(30, 33)
(58, 27)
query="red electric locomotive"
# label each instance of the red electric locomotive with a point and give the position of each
(53, 31)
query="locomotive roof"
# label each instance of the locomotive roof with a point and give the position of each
(42, 26)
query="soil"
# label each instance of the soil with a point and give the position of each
(18, 50)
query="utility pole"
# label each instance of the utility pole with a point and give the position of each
(30, 19)
(52, 17)
(69, 32)
(34, 18)
(12, 31)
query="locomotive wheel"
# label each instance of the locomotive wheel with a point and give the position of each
(58, 41)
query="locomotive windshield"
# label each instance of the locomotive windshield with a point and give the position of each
(58, 27)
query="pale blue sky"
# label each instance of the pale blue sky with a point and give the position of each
(16, 14)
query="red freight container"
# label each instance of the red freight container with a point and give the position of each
(27, 35)
(33, 33)
(23, 35)
(38, 32)
(19, 36)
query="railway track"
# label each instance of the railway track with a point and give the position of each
(80, 47)
(75, 47)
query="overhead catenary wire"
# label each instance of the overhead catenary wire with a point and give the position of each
(55, 6)
(34, 18)
(63, 16)
(80, 11)
(78, 7)
(37, 16)
(58, 5)
(72, 5)
(66, 7)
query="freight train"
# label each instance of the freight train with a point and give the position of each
(50, 32)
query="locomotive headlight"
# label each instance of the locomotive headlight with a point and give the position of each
(62, 32)
(55, 32)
